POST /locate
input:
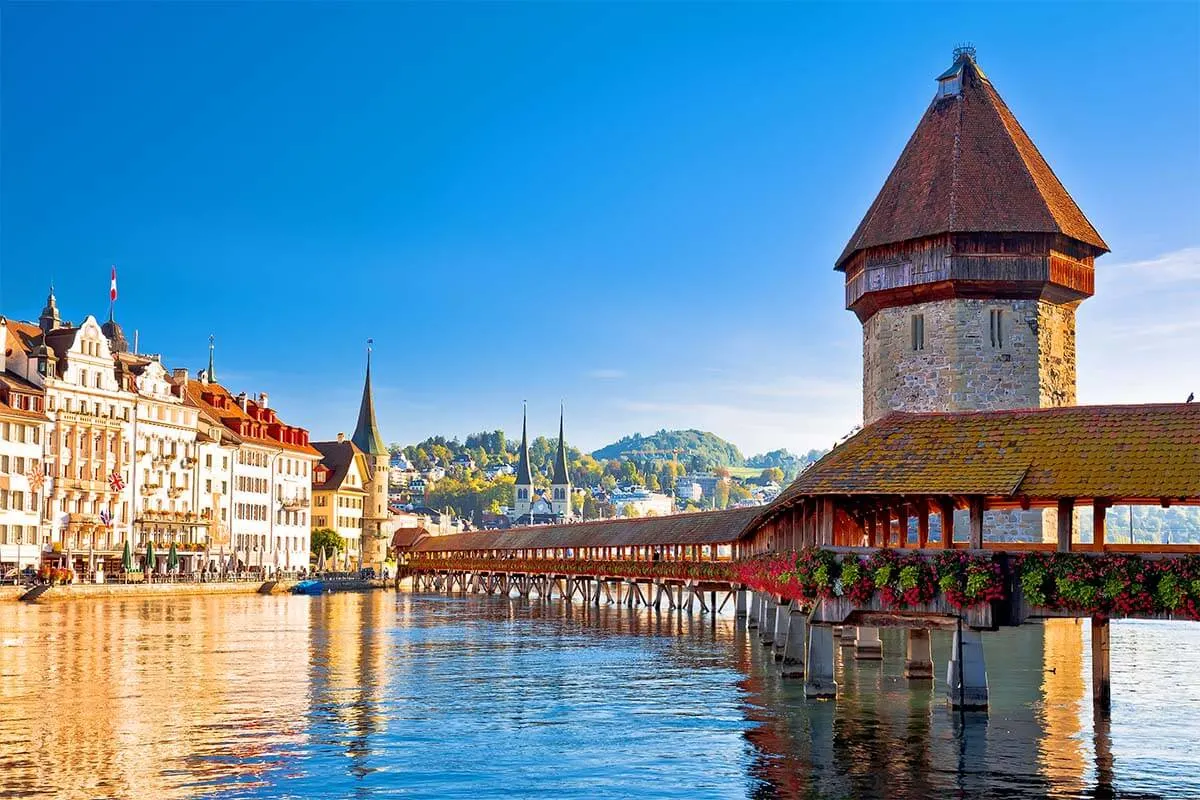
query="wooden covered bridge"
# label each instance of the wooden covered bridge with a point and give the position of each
(917, 515)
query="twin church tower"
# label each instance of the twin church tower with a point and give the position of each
(530, 507)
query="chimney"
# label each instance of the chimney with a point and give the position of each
(341, 437)
(180, 374)
(241, 398)
(262, 400)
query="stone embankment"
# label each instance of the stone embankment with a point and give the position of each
(88, 591)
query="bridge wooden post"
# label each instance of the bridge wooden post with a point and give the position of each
(818, 666)
(867, 645)
(976, 505)
(946, 507)
(1099, 510)
(793, 654)
(826, 533)
(782, 612)
(923, 524)
(902, 525)
(1101, 674)
(849, 636)
(966, 680)
(918, 662)
(766, 630)
(1066, 523)
(739, 603)
(755, 611)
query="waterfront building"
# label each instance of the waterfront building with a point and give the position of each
(23, 425)
(270, 479)
(89, 410)
(967, 269)
(340, 492)
(164, 471)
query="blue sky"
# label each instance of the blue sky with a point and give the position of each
(634, 208)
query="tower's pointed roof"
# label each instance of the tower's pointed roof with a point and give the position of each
(49, 318)
(524, 473)
(969, 167)
(212, 366)
(560, 458)
(366, 432)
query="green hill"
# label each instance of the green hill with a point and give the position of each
(697, 449)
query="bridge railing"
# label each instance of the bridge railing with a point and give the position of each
(673, 570)
(1013, 585)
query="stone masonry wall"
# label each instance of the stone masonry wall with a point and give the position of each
(959, 370)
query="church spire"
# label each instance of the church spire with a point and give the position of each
(366, 432)
(211, 374)
(560, 459)
(524, 473)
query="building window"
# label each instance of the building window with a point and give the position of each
(918, 332)
(996, 327)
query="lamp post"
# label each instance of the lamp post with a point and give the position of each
(17, 577)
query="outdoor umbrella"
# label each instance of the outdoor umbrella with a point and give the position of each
(172, 559)
(127, 558)
(321, 560)
(150, 556)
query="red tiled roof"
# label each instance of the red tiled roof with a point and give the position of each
(407, 537)
(230, 414)
(1133, 451)
(707, 527)
(970, 167)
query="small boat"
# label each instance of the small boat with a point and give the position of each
(309, 587)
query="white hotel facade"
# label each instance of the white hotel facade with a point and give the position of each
(100, 447)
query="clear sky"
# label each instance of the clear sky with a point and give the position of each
(633, 208)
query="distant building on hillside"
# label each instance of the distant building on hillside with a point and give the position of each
(706, 480)
(644, 502)
(689, 491)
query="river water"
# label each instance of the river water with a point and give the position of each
(425, 696)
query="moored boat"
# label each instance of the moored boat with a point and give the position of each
(309, 587)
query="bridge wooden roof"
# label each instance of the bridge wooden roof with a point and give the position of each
(1129, 451)
(707, 527)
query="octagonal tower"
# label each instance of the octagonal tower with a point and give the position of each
(967, 269)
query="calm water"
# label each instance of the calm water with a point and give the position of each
(423, 696)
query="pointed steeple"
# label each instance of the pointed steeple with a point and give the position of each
(49, 319)
(560, 459)
(366, 432)
(212, 369)
(524, 473)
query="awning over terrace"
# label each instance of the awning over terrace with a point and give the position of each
(703, 528)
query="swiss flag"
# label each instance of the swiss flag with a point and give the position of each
(112, 287)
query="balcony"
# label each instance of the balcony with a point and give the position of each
(149, 488)
(295, 504)
(83, 485)
(176, 491)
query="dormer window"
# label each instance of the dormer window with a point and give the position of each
(951, 86)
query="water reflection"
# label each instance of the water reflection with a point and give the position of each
(433, 696)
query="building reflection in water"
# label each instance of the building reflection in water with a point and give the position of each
(348, 695)
(148, 697)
